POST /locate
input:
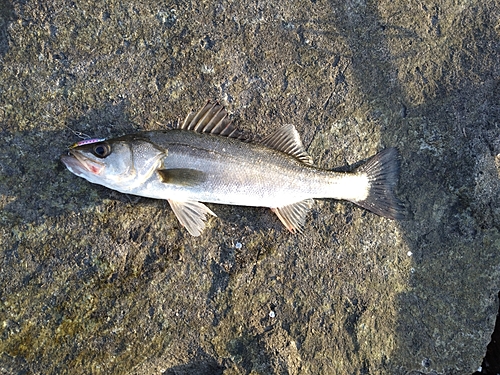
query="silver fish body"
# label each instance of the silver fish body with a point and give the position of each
(200, 161)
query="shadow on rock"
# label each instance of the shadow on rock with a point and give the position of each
(202, 364)
(445, 127)
(7, 15)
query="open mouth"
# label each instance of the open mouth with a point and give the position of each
(79, 164)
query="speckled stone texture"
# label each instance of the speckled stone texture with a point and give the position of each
(96, 282)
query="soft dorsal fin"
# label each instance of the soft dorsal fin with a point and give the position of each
(286, 139)
(211, 119)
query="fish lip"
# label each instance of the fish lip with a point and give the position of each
(78, 163)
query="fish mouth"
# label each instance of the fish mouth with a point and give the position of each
(80, 164)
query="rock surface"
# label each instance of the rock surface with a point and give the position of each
(93, 281)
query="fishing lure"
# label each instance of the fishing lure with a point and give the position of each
(86, 142)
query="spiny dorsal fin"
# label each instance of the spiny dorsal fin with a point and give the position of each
(293, 216)
(211, 119)
(286, 139)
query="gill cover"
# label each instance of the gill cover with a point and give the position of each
(121, 163)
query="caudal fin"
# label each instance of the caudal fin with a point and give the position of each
(383, 174)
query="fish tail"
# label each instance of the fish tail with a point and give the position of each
(382, 171)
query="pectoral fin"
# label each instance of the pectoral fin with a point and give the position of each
(191, 215)
(293, 216)
(181, 176)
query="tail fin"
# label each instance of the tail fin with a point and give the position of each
(383, 174)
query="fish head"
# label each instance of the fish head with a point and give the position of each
(121, 163)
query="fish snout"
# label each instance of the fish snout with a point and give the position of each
(81, 165)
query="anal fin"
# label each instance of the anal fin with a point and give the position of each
(191, 215)
(293, 216)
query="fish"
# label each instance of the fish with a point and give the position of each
(207, 159)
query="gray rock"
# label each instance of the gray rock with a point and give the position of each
(93, 281)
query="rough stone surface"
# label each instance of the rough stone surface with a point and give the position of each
(96, 282)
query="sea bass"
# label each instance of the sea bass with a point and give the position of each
(204, 160)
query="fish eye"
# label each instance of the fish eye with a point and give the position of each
(101, 150)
